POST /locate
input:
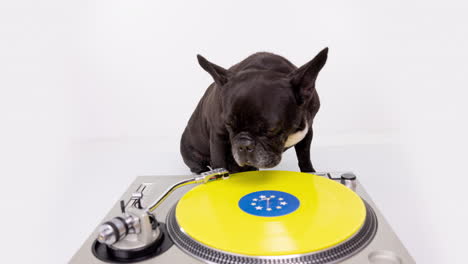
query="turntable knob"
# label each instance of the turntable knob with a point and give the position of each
(348, 176)
(349, 180)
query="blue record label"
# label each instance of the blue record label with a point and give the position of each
(269, 203)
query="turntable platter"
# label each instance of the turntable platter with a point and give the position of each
(270, 213)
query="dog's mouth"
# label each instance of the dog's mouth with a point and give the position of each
(260, 165)
(247, 151)
(247, 163)
(260, 160)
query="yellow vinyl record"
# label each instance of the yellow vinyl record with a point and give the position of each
(271, 213)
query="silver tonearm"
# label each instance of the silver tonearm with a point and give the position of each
(141, 221)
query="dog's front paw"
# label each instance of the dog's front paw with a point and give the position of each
(306, 167)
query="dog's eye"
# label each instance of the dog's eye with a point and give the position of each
(274, 130)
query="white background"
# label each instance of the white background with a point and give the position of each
(96, 93)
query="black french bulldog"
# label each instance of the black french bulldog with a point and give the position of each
(252, 113)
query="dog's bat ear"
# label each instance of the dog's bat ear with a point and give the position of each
(303, 79)
(219, 74)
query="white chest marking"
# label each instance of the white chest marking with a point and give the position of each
(293, 139)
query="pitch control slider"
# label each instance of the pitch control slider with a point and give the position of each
(142, 221)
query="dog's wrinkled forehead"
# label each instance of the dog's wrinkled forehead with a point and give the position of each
(263, 100)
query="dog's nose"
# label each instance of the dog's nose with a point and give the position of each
(246, 145)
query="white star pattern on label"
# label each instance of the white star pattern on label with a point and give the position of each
(256, 202)
(268, 203)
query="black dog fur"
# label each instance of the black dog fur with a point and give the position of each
(252, 113)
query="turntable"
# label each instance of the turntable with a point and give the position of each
(251, 217)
